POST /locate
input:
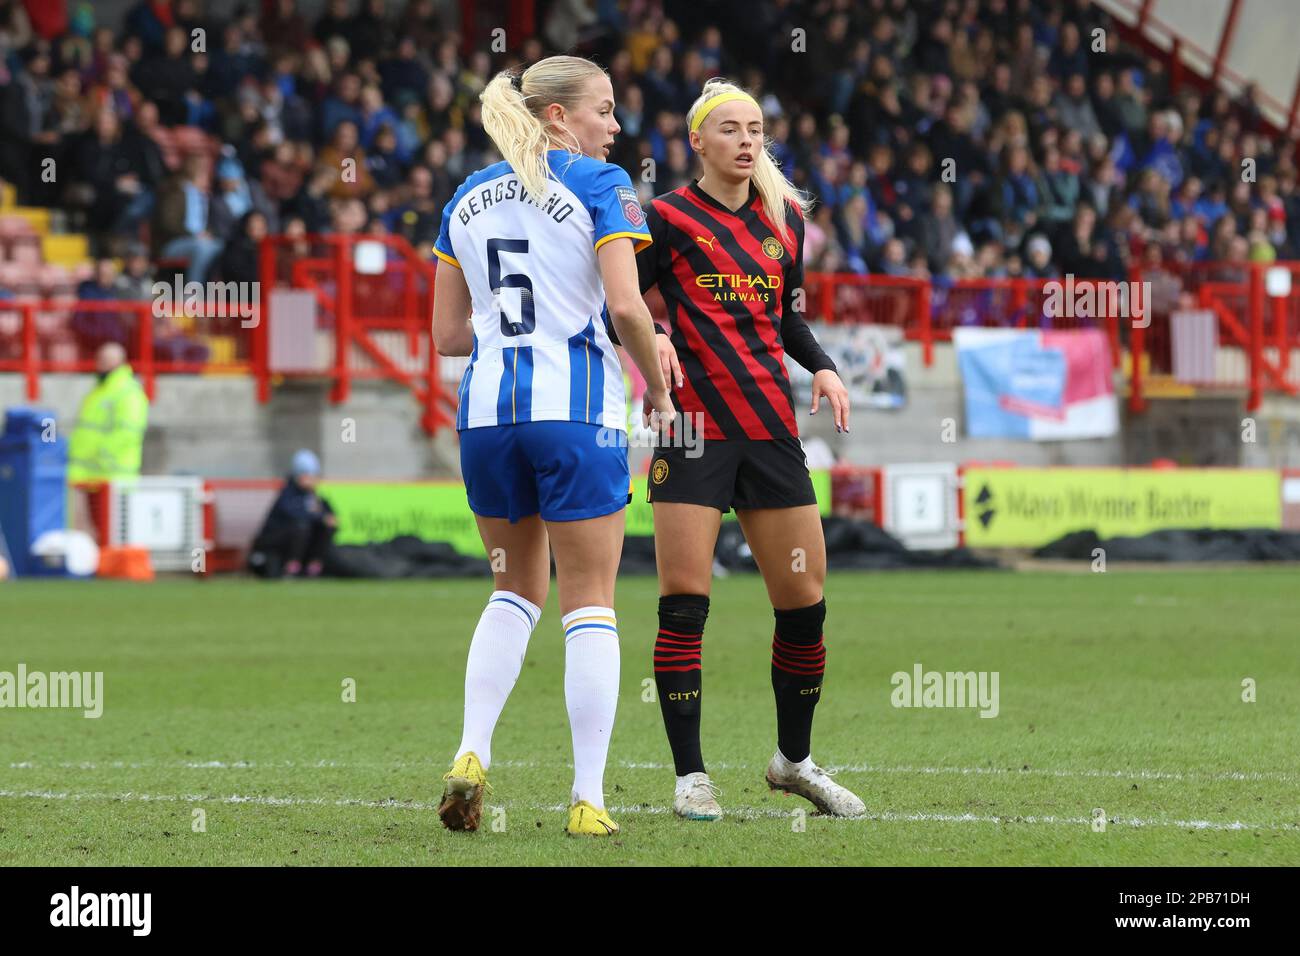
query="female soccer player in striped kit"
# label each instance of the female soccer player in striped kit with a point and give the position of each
(533, 249)
(727, 257)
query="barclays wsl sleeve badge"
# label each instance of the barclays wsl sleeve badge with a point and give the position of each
(632, 210)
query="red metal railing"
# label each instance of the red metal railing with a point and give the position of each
(1255, 333)
(376, 325)
(377, 320)
(40, 337)
(927, 311)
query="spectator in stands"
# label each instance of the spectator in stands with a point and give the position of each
(99, 287)
(234, 60)
(348, 216)
(369, 31)
(382, 161)
(28, 135)
(1060, 193)
(337, 22)
(374, 116)
(135, 284)
(295, 248)
(108, 439)
(312, 203)
(281, 175)
(346, 162)
(1130, 104)
(1074, 109)
(189, 225)
(113, 90)
(120, 171)
(1038, 258)
(342, 105)
(422, 23)
(167, 76)
(295, 537)
(240, 195)
(404, 73)
(240, 258)
(939, 229)
(987, 84)
(283, 28)
(95, 327)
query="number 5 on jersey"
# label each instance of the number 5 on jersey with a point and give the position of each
(527, 320)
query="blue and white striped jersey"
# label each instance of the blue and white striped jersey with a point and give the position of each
(541, 349)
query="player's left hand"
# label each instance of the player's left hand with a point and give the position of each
(668, 363)
(827, 382)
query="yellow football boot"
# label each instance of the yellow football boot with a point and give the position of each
(462, 798)
(586, 820)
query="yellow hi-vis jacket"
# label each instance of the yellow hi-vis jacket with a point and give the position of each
(109, 436)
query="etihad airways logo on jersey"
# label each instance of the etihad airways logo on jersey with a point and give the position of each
(739, 288)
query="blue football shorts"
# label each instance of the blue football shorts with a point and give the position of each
(557, 468)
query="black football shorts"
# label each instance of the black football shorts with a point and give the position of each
(729, 473)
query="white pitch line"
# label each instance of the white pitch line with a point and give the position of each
(1253, 775)
(741, 812)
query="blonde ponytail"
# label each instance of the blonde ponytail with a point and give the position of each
(513, 115)
(773, 188)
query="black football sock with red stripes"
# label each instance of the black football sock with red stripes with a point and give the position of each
(798, 663)
(678, 675)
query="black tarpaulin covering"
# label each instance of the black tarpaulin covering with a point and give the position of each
(402, 557)
(1201, 544)
(849, 544)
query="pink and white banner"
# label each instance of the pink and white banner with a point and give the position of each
(1037, 385)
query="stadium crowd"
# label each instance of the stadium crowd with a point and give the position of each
(1060, 158)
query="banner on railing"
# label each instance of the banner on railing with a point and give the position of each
(1037, 385)
(870, 361)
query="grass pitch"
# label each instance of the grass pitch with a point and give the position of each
(1119, 691)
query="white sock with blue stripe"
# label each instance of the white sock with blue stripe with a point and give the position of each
(496, 655)
(591, 662)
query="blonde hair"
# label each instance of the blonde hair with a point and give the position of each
(514, 116)
(773, 188)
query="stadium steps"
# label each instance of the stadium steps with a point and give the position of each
(35, 259)
(37, 217)
(70, 250)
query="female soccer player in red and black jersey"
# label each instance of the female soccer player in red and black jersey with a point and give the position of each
(727, 257)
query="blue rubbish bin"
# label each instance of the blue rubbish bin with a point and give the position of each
(33, 487)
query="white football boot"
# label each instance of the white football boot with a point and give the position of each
(814, 784)
(696, 798)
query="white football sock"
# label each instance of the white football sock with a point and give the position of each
(496, 655)
(591, 662)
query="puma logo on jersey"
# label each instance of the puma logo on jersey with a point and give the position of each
(707, 242)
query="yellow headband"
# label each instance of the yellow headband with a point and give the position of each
(707, 107)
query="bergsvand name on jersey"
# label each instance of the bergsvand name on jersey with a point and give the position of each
(504, 190)
(134, 910)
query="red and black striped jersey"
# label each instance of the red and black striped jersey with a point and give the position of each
(728, 279)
